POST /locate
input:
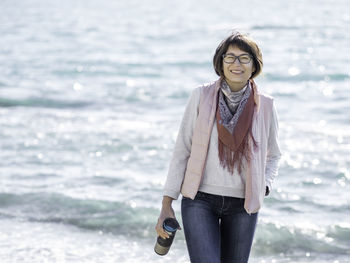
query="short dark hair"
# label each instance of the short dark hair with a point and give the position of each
(243, 42)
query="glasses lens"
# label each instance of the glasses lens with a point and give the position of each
(229, 59)
(245, 59)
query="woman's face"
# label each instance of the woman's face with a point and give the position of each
(237, 74)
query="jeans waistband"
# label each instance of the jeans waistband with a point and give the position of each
(208, 195)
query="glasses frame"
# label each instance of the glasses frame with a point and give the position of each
(236, 57)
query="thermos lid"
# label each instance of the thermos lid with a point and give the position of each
(170, 224)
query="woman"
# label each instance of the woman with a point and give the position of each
(225, 158)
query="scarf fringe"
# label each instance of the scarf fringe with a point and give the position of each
(234, 159)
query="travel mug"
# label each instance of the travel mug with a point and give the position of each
(170, 225)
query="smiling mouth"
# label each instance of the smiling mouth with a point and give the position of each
(236, 71)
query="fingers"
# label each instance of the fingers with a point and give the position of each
(159, 229)
(161, 232)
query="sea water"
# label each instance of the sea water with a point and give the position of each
(91, 97)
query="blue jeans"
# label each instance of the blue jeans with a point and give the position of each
(217, 228)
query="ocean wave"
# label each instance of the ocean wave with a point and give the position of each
(273, 238)
(298, 205)
(275, 27)
(42, 103)
(307, 77)
(113, 217)
(122, 219)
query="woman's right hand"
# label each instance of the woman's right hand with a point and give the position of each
(167, 211)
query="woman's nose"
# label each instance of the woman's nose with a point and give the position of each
(236, 61)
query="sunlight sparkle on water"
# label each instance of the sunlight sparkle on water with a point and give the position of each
(317, 180)
(294, 71)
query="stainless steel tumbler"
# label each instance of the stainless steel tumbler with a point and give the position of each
(170, 225)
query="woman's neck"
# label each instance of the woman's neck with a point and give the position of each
(234, 87)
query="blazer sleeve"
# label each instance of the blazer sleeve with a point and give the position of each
(273, 150)
(182, 149)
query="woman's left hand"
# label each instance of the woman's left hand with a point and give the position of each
(267, 192)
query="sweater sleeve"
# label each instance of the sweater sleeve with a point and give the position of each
(182, 147)
(273, 150)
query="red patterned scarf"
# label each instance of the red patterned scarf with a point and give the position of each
(234, 131)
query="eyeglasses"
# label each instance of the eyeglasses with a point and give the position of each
(230, 58)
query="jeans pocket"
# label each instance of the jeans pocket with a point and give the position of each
(200, 195)
(204, 197)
